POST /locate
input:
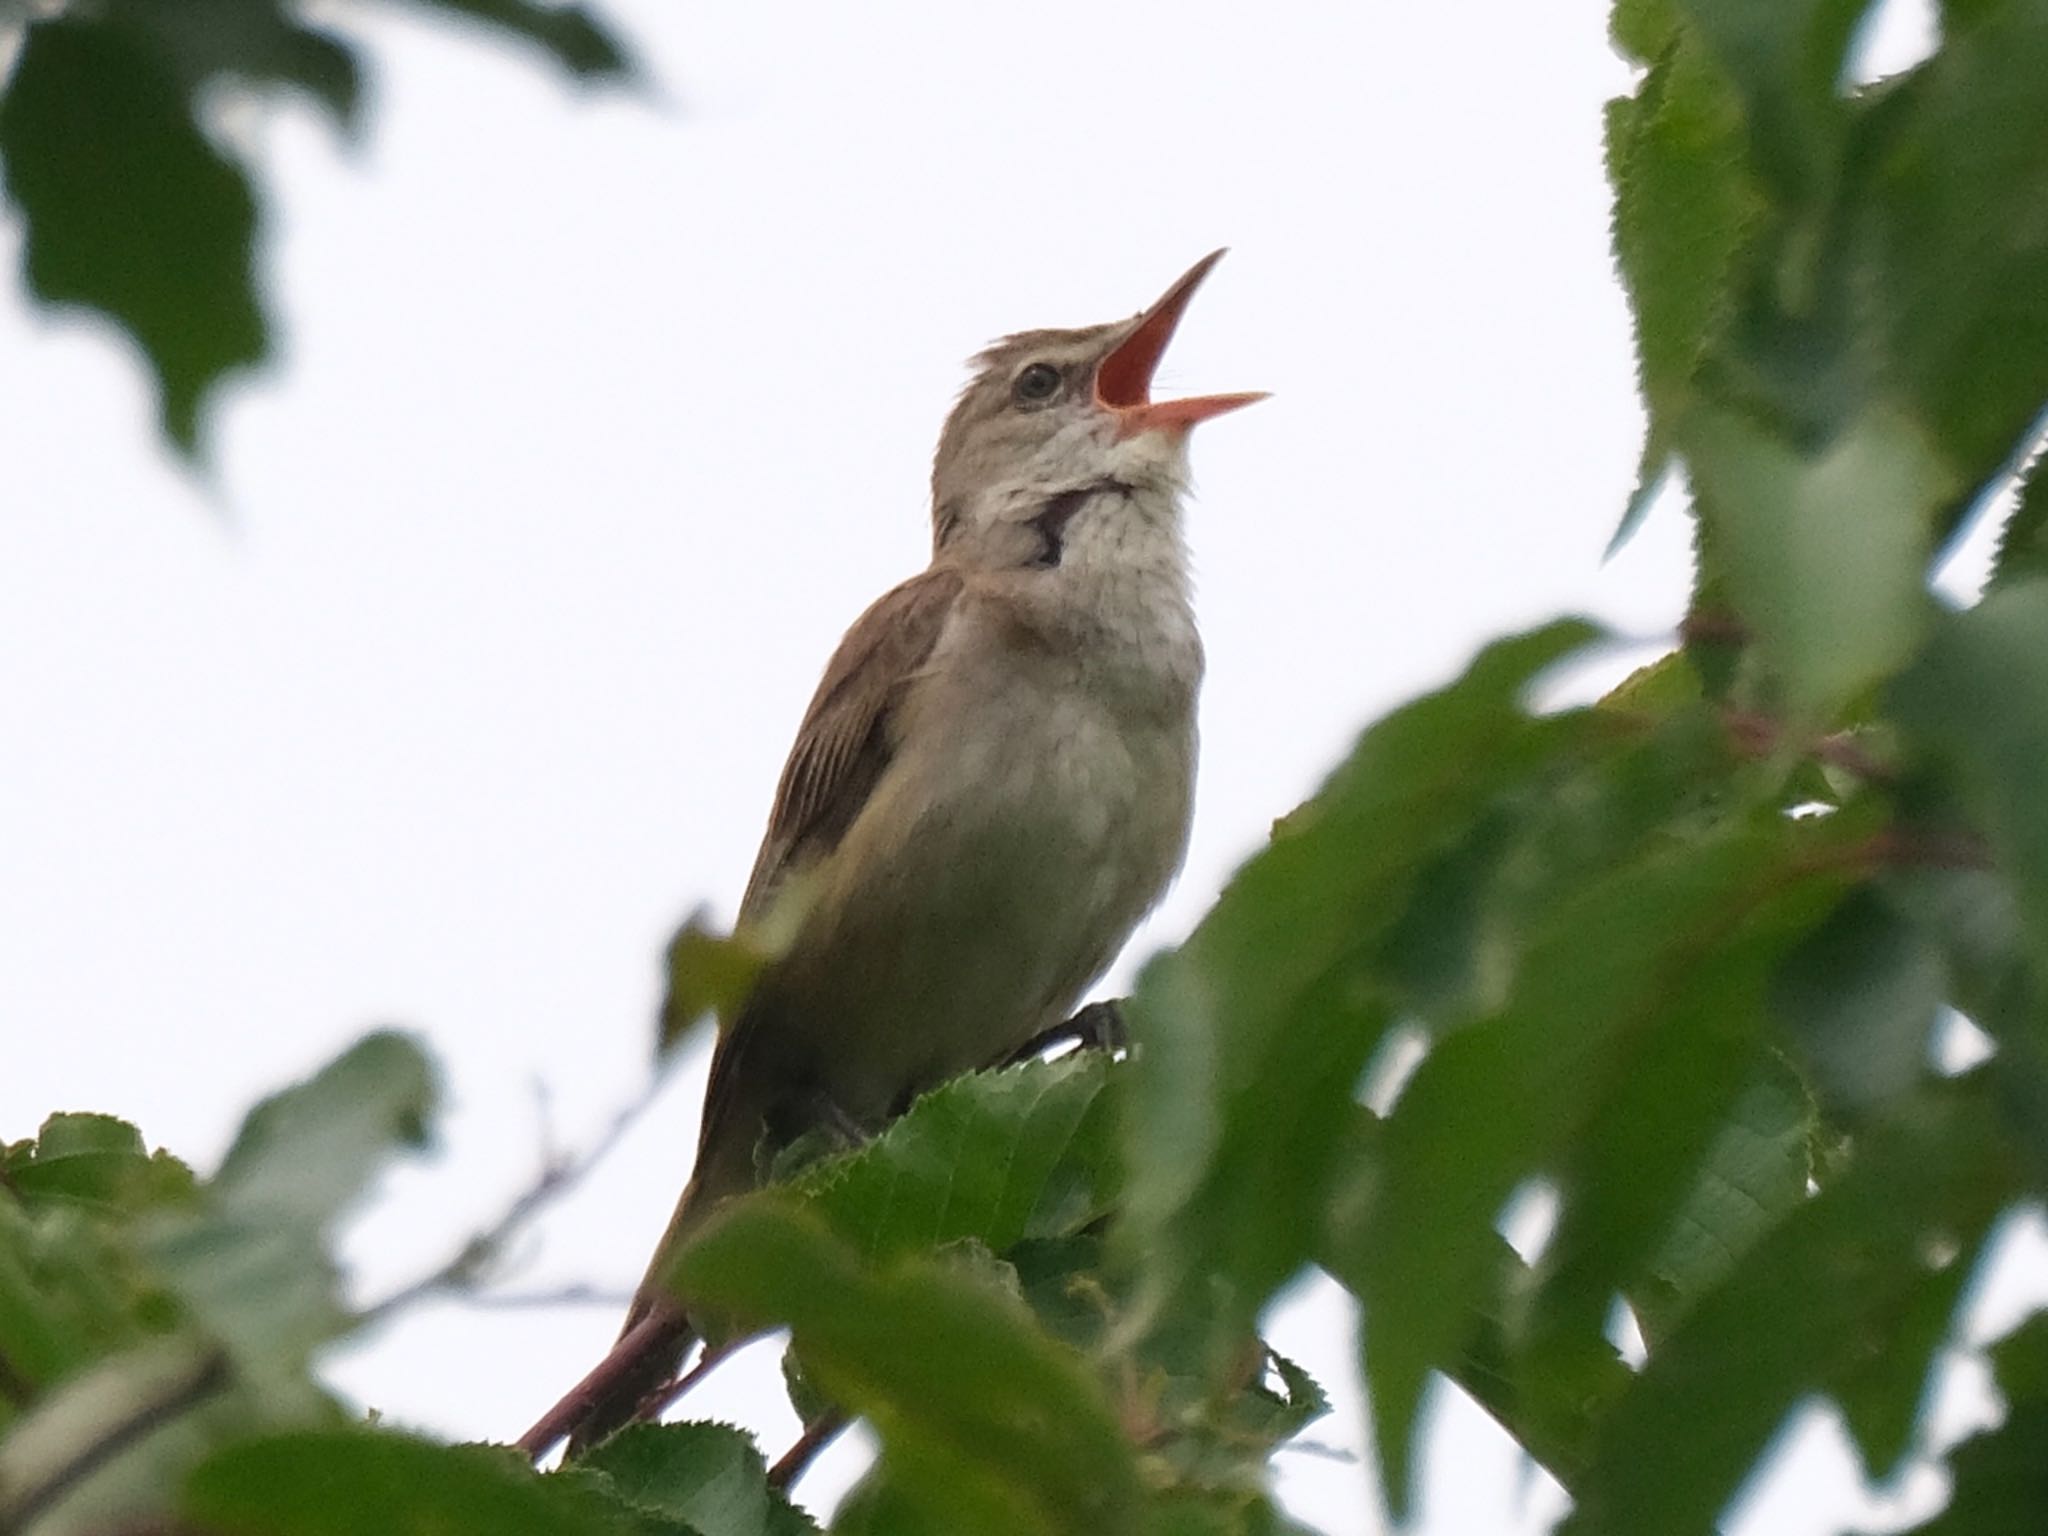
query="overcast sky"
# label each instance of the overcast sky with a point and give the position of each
(468, 667)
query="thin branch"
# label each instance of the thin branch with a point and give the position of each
(25, 1508)
(818, 1434)
(654, 1332)
(669, 1393)
(567, 1296)
(559, 1173)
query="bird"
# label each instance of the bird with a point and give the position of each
(991, 786)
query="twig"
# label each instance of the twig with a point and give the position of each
(1758, 735)
(558, 1174)
(653, 1332)
(818, 1434)
(567, 1296)
(23, 1510)
(669, 1393)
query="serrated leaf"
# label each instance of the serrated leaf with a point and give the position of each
(1249, 1039)
(1497, 1102)
(985, 1422)
(709, 1476)
(1817, 1294)
(128, 210)
(2023, 545)
(996, 1157)
(1684, 208)
(347, 1482)
(1824, 555)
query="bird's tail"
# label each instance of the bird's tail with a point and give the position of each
(651, 1346)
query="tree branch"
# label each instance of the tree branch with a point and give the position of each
(818, 1434)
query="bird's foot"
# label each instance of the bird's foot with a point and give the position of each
(1097, 1027)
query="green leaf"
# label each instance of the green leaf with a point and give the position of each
(568, 34)
(1820, 1293)
(996, 1157)
(1824, 555)
(709, 976)
(1962, 253)
(1753, 1177)
(1857, 1002)
(1977, 701)
(2023, 546)
(348, 1482)
(128, 210)
(1250, 1039)
(251, 1264)
(95, 1160)
(1498, 1102)
(105, 1449)
(251, 41)
(986, 1424)
(1784, 57)
(709, 1476)
(1882, 1390)
(1684, 208)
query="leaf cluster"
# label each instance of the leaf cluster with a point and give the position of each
(132, 204)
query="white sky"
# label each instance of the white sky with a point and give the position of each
(470, 667)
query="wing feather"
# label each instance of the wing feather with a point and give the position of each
(844, 743)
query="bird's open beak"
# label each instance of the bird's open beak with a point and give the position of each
(1123, 380)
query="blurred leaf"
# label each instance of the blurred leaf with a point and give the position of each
(1251, 1037)
(1784, 57)
(128, 209)
(1817, 1295)
(569, 34)
(1825, 556)
(107, 1446)
(1978, 701)
(1961, 237)
(251, 1264)
(349, 1482)
(1495, 1103)
(1026, 1152)
(709, 1476)
(1755, 1174)
(1858, 1001)
(985, 1423)
(253, 41)
(709, 976)
(1882, 1390)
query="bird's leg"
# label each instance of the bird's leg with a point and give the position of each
(1097, 1027)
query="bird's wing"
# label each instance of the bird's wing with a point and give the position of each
(845, 743)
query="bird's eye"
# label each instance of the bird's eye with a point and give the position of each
(1036, 384)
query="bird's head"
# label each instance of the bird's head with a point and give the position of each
(1049, 413)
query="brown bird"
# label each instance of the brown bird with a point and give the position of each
(991, 786)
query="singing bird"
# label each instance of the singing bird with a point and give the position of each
(991, 786)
